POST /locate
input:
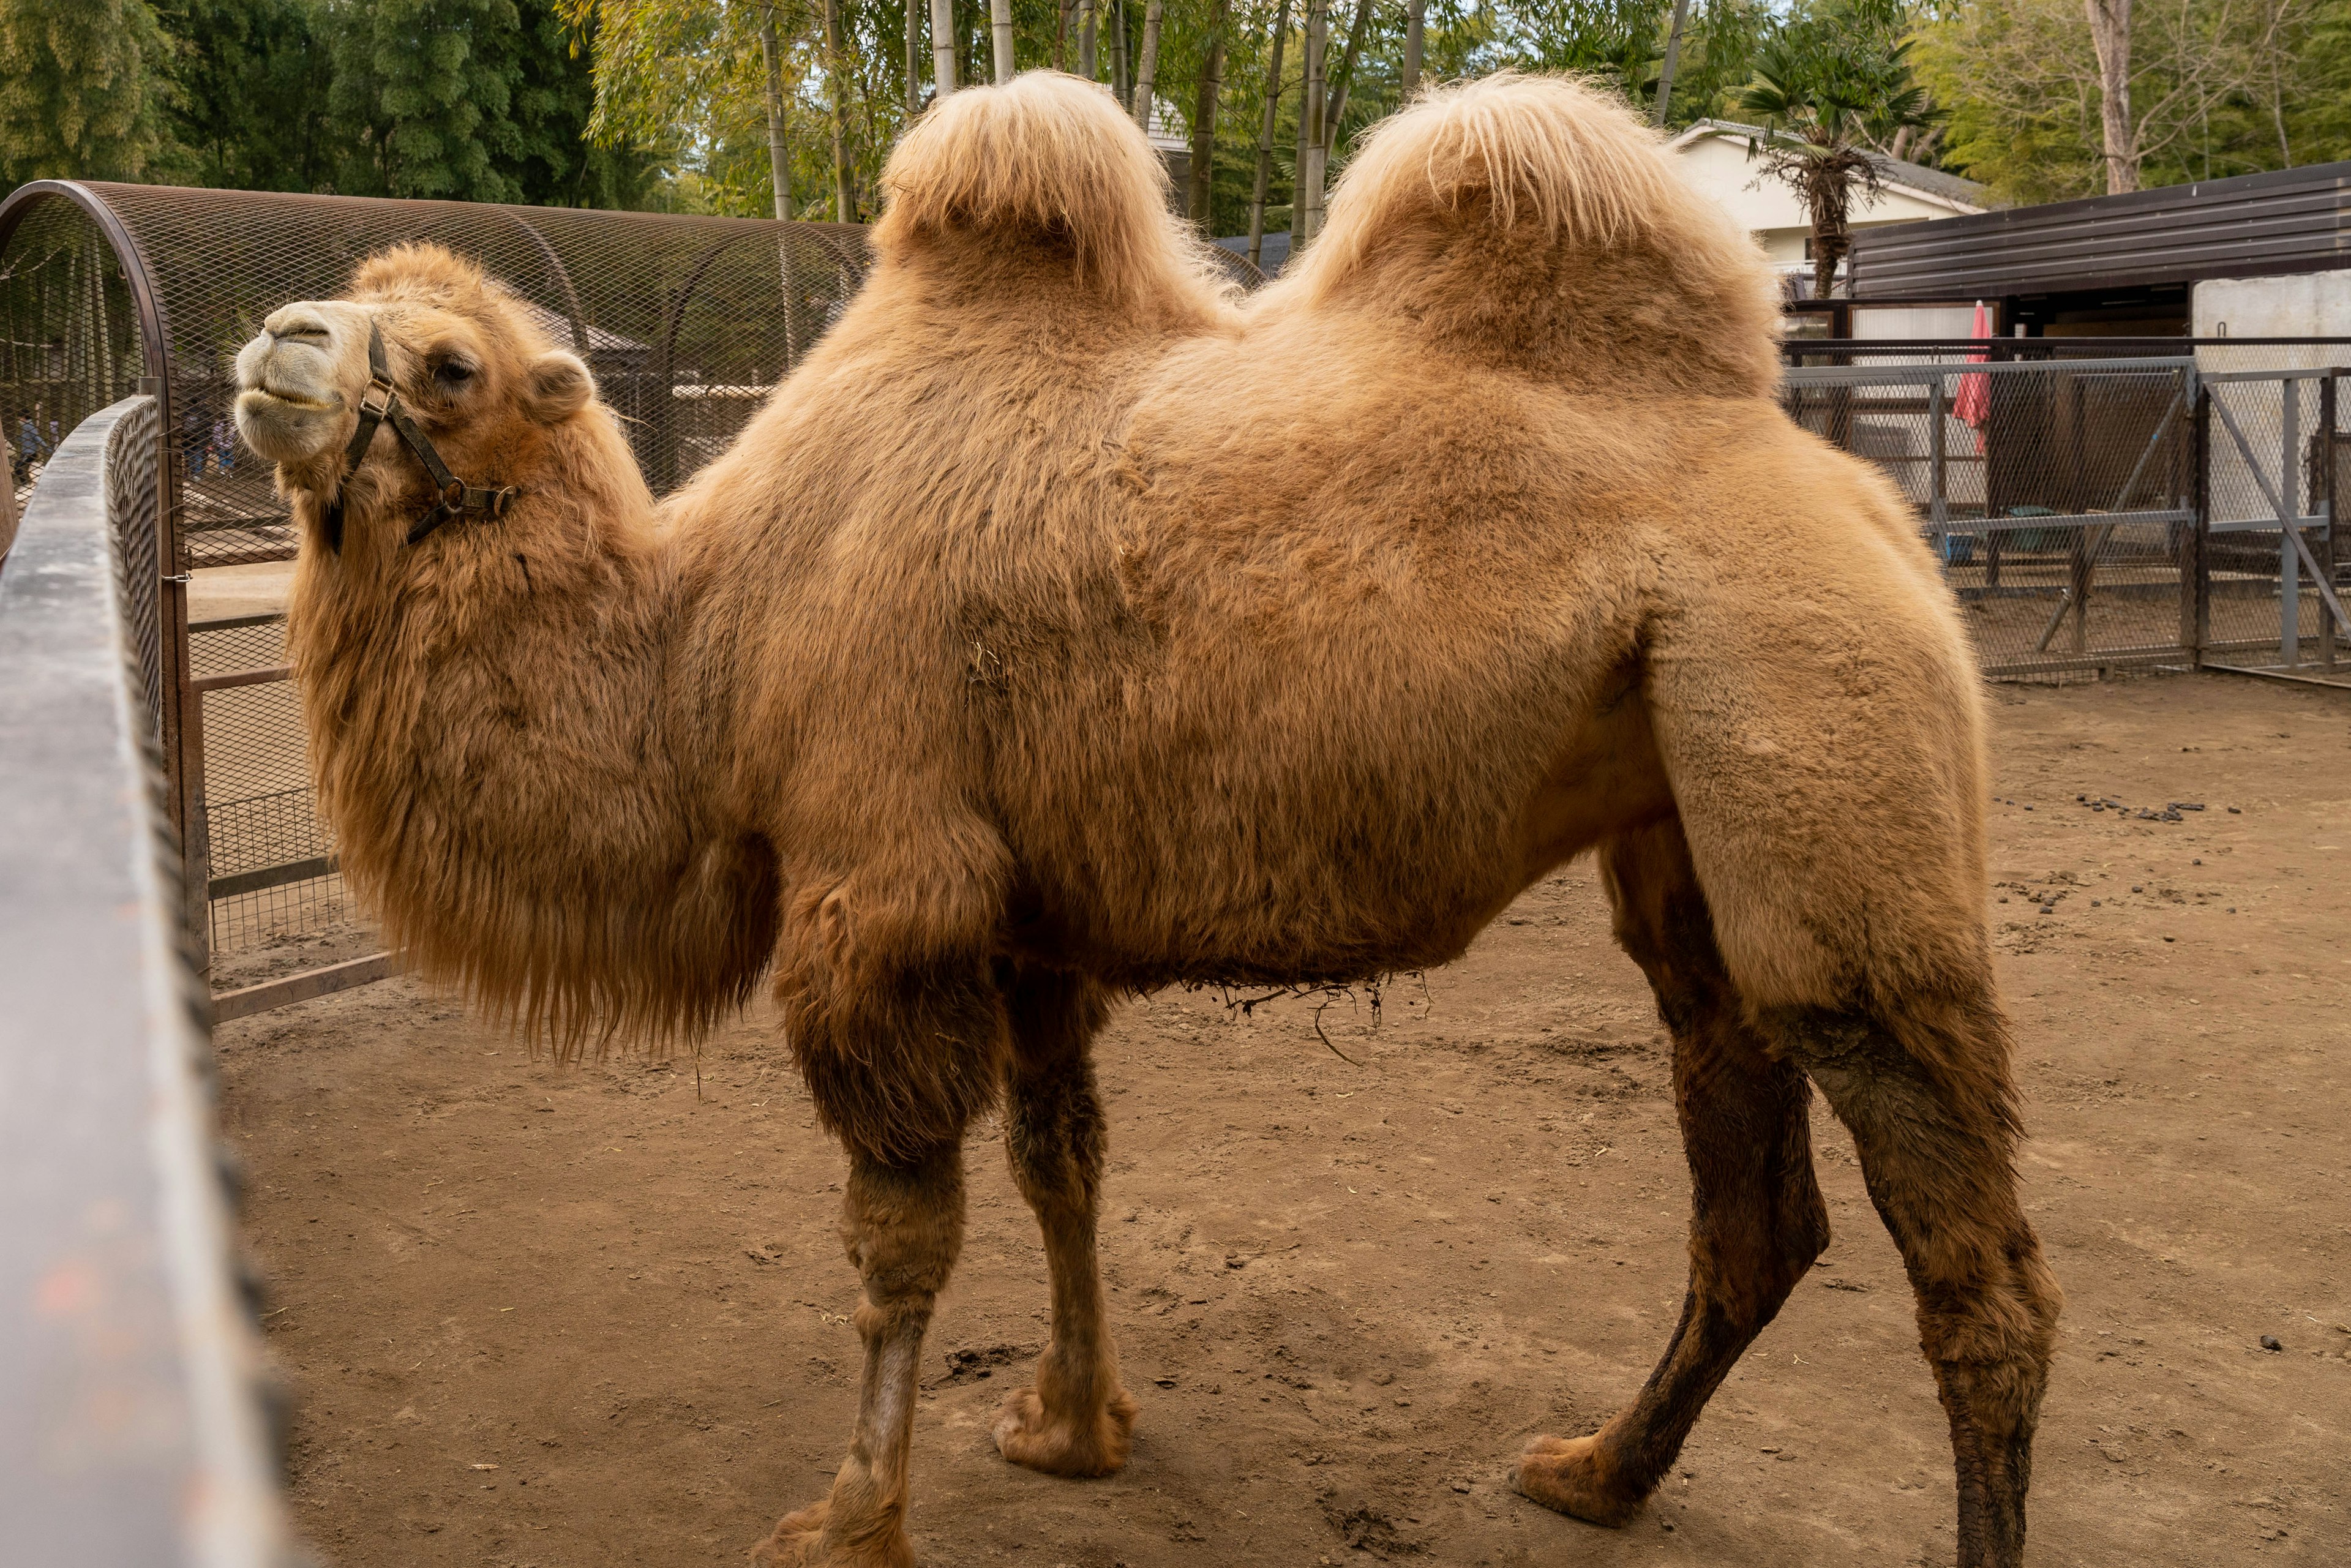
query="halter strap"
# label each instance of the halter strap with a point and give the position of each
(379, 405)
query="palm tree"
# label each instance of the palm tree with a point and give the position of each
(1831, 90)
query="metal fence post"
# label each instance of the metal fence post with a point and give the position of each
(2195, 603)
(2289, 498)
(2322, 495)
(1939, 503)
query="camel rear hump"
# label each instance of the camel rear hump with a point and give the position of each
(1533, 221)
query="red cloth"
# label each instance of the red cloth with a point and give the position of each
(1973, 403)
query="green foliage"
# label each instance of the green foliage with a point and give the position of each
(82, 89)
(420, 99)
(482, 100)
(252, 78)
(2218, 87)
(662, 103)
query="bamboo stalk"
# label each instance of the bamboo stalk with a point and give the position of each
(1146, 70)
(943, 47)
(844, 203)
(1306, 203)
(1204, 121)
(1265, 135)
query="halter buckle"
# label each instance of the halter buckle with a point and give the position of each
(376, 401)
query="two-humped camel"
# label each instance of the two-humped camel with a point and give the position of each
(1064, 627)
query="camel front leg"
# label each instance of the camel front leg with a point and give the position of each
(902, 1225)
(898, 1062)
(1077, 1420)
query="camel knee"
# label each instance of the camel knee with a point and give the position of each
(902, 1226)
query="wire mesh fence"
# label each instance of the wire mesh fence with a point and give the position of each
(687, 322)
(2094, 508)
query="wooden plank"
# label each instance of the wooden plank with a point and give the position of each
(273, 876)
(228, 678)
(302, 987)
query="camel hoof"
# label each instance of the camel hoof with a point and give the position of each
(1094, 1444)
(1564, 1475)
(798, 1541)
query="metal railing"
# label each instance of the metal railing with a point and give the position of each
(134, 1425)
(2101, 511)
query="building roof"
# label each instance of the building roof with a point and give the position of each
(2285, 221)
(1932, 184)
(1273, 249)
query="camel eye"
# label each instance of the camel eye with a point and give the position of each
(453, 375)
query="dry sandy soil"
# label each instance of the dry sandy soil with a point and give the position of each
(568, 1315)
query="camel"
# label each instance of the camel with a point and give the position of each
(1066, 627)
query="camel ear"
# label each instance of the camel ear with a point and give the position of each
(559, 387)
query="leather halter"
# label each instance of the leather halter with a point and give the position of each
(380, 403)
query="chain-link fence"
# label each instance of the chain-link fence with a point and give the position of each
(2093, 508)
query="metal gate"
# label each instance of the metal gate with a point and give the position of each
(2106, 511)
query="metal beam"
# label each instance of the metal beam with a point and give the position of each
(132, 1416)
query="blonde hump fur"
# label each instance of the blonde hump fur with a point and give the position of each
(1048, 164)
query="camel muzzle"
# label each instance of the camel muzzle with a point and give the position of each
(379, 405)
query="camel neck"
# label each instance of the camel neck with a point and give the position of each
(511, 781)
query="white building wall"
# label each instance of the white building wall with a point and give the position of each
(1767, 208)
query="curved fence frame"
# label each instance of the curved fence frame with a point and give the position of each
(133, 1425)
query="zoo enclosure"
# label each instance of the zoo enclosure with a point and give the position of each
(106, 290)
(2105, 502)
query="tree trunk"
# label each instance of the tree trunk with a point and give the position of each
(1061, 35)
(1087, 64)
(779, 155)
(999, 25)
(1306, 201)
(914, 64)
(943, 47)
(1265, 135)
(1146, 70)
(1830, 198)
(1345, 80)
(1204, 121)
(844, 203)
(2110, 34)
(1672, 58)
(1415, 23)
(1118, 88)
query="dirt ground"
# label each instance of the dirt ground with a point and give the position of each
(534, 1314)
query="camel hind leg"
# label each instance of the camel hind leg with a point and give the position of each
(1076, 1420)
(1757, 1221)
(1932, 1120)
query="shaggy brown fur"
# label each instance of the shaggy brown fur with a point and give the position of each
(1062, 626)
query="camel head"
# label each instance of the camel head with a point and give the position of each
(473, 375)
